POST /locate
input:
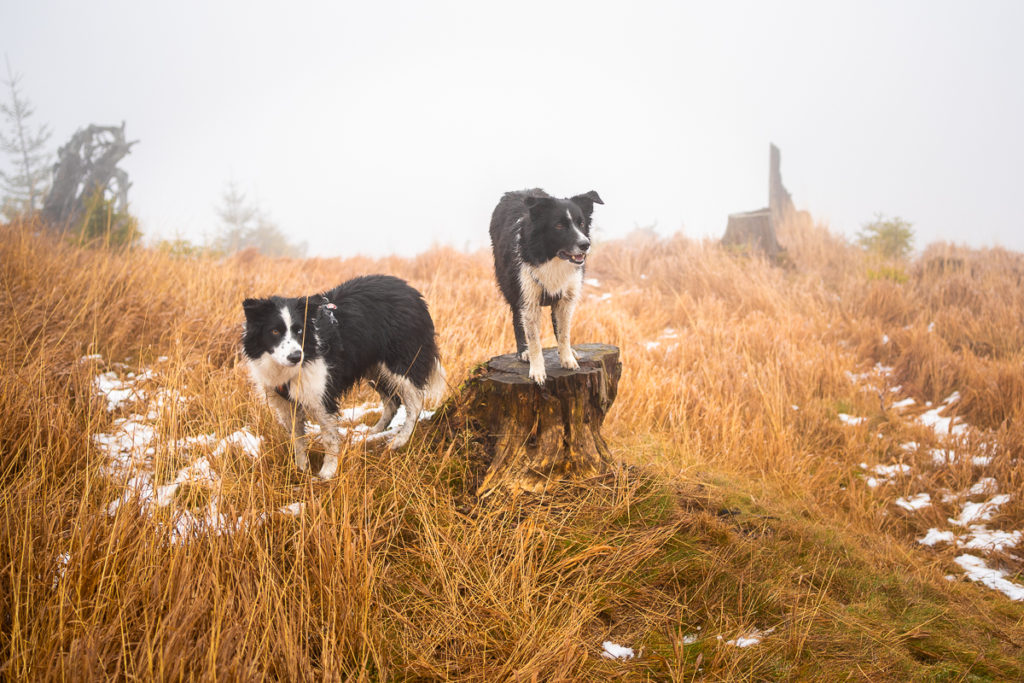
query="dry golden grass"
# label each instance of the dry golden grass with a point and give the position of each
(741, 505)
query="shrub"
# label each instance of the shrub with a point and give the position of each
(891, 238)
(106, 224)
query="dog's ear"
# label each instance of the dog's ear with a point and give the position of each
(586, 201)
(538, 205)
(254, 307)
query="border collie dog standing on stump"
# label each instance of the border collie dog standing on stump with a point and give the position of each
(540, 247)
(305, 352)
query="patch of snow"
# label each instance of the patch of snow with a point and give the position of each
(995, 579)
(981, 460)
(63, 560)
(243, 440)
(613, 651)
(593, 282)
(905, 403)
(921, 500)
(752, 638)
(943, 426)
(116, 391)
(935, 536)
(851, 420)
(991, 540)
(356, 413)
(891, 470)
(292, 509)
(885, 339)
(980, 512)
(91, 358)
(942, 456)
(690, 639)
(984, 487)
(651, 345)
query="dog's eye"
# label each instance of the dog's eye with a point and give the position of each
(276, 332)
(298, 330)
(559, 226)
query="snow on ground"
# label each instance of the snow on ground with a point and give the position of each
(995, 579)
(669, 333)
(613, 651)
(132, 444)
(752, 638)
(967, 529)
(921, 500)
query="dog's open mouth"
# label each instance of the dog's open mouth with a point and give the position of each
(577, 257)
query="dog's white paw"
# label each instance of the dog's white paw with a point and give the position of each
(538, 374)
(525, 356)
(301, 459)
(329, 468)
(568, 358)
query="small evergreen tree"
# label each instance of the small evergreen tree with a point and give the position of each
(891, 238)
(25, 187)
(245, 226)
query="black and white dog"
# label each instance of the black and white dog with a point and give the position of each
(540, 249)
(304, 353)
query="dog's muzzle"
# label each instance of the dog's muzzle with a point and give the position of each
(578, 257)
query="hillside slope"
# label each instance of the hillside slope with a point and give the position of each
(820, 476)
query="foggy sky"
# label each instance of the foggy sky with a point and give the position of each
(387, 127)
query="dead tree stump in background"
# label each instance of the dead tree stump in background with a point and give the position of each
(535, 436)
(87, 165)
(756, 229)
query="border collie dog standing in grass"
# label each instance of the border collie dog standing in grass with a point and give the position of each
(305, 352)
(540, 248)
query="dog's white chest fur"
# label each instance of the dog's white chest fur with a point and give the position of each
(556, 277)
(306, 382)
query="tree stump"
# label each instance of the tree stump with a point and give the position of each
(535, 436)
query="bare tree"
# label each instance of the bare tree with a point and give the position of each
(25, 187)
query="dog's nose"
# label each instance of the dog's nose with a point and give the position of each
(583, 244)
(295, 356)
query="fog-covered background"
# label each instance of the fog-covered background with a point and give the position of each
(388, 127)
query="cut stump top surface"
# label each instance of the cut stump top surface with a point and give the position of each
(510, 370)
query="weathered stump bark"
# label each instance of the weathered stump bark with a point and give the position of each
(535, 436)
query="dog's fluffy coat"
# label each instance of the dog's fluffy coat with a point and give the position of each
(540, 245)
(303, 353)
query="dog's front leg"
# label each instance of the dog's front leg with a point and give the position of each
(293, 418)
(535, 353)
(332, 441)
(562, 312)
